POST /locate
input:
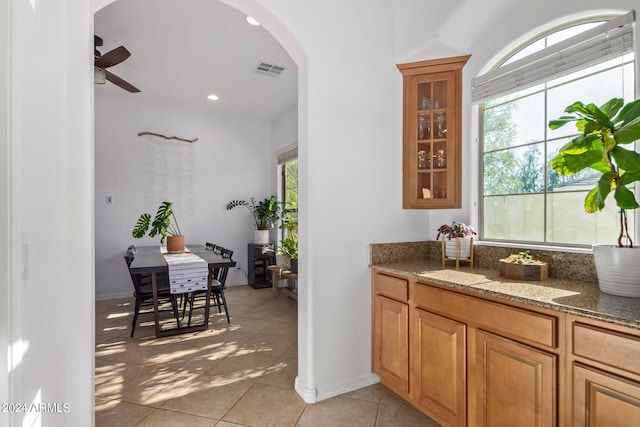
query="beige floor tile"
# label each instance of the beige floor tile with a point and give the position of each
(111, 377)
(280, 329)
(339, 411)
(228, 424)
(162, 418)
(282, 373)
(267, 405)
(156, 386)
(292, 351)
(112, 413)
(371, 393)
(208, 396)
(233, 374)
(248, 366)
(248, 325)
(387, 397)
(403, 416)
(269, 344)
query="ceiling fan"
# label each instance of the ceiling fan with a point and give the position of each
(109, 59)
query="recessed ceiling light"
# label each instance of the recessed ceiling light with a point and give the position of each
(213, 97)
(251, 20)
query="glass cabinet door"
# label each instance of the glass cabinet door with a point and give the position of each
(431, 140)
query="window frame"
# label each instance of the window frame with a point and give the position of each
(478, 111)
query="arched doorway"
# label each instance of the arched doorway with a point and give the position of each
(294, 51)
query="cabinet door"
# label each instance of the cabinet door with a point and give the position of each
(516, 384)
(391, 343)
(603, 399)
(440, 366)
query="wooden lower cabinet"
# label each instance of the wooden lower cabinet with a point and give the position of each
(604, 399)
(440, 366)
(516, 384)
(391, 342)
(470, 360)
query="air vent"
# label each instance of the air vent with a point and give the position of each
(268, 69)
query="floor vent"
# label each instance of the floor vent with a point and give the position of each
(268, 69)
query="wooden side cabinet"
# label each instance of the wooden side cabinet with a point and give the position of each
(604, 399)
(516, 384)
(431, 133)
(390, 352)
(440, 368)
(605, 374)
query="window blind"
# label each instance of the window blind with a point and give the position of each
(288, 154)
(607, 41)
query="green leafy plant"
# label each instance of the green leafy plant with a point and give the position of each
(456, 229)
(289, 244)
(265, 213)
(161, 224)
(605, 130)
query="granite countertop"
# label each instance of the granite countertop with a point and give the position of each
(583, 299)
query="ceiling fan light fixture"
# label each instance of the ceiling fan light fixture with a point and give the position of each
(213, 97)
(99, 76)
(253, 21)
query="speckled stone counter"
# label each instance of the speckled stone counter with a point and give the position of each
(570, 296)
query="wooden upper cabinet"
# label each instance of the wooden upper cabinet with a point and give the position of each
(431, 135)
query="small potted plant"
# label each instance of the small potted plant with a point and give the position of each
(457, 240)
(265, 216)
(523, 266)
(605, 131)
(289, 249)
(162, 225)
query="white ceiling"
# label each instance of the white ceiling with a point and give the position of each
(181, 51)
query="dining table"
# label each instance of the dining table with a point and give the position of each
(151, 260)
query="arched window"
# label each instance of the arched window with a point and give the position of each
(521, 198)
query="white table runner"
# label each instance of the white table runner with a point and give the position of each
(187, 272)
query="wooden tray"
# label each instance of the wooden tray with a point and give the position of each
(536, 272)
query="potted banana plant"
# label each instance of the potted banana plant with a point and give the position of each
(164, 224)
(605, 144)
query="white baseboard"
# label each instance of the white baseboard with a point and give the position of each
(308, 395)
(335, 389)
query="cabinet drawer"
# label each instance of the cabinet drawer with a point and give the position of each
(511, 322)
(391, 287)
(612, 348)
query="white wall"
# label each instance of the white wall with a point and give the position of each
(5, 206)
(350, 159)
(50, 212)
(350, 181)
(230, 160)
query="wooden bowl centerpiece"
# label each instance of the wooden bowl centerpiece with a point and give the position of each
(523, 266)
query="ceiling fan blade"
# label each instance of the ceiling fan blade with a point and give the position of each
(113, 57)
(120, 82)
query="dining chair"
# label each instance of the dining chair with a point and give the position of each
(143, 292)
(218, 285)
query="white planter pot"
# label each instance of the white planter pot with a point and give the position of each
(261, 237)
(464, 250)
(618, 270)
